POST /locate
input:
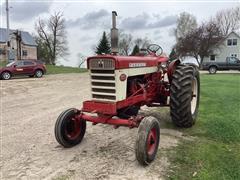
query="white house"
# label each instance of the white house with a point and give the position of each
(228, 47)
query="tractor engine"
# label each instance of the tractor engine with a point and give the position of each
(117, 79)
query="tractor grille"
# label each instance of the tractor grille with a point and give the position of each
(103, 85)
(105, 64)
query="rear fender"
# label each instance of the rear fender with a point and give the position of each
(171, 68)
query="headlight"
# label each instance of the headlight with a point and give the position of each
(164, 64)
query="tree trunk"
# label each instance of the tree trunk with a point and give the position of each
(201, 61)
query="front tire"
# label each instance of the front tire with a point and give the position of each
(147, 140)
(184, 96)
(6, 75)
(69, 130)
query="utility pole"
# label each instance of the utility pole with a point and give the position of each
(7, 34)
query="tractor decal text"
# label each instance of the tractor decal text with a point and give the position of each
(137, 64)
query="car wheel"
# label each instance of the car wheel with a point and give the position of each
(38, 73)
(6, 75)
(212, 70)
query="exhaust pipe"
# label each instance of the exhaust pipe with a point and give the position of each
(114, 34)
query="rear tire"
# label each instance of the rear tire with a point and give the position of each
(212, 70)
(38, 73)
(147, 140)
(69, 131)
(184, 95)
(6, 75)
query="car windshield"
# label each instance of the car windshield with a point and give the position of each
(9, 64)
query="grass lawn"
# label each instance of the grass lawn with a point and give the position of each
(51, 69)
(3, 63)
(215, 153)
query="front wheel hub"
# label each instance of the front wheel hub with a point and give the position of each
(151, 141)
(72, 128)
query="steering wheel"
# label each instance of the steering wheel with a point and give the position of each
(154, 48)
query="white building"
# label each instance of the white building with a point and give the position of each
(228, 47)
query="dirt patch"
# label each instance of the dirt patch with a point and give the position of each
(29, 151)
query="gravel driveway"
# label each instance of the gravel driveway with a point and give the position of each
(29, 108)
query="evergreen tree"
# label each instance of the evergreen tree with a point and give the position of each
(103, 46)
(172, 55)
(135, 51)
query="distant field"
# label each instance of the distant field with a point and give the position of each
(215, 152)
(2, 63)
(51, 69)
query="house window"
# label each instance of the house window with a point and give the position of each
(1, 51)
(24, 53)
(229, 42)
(212, 57)
(234, 42)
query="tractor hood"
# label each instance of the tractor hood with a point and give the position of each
(123, 62)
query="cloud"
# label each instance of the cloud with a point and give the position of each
(26, 10)
(145, 21)
(102, 19)
(166, 21)
(91, 20)
(137, 22)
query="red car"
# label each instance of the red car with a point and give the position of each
(29, 68)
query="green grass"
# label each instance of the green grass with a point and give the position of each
(51, 69)
(215, 154)
(3, 63)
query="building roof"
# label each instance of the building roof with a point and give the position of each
(27, 39)
(233, 33)
(224, 38)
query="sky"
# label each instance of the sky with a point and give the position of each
(87, 19)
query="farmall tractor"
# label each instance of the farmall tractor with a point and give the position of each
(121, 85)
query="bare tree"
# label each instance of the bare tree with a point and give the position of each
(81, 59)
(199, 42)
(228, 20)
(125, 43)
(43, 53)
(185, 24)
(142, 42)
(52, 34)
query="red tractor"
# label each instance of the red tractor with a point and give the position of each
(120, 85)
